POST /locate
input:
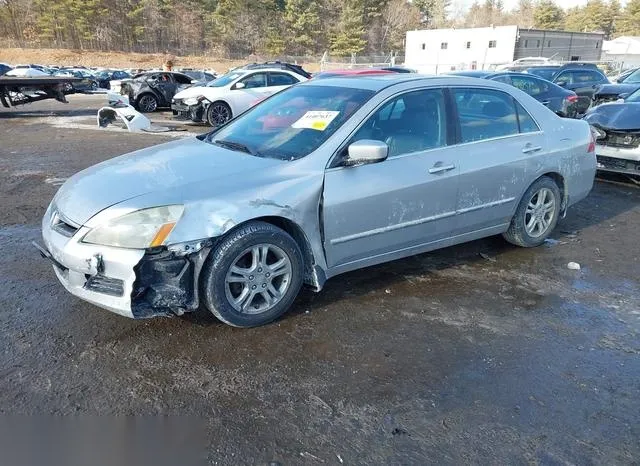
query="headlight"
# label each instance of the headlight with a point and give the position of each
(193, 100)
(138, 230)
(598, 133)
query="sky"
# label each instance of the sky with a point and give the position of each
(510, 4)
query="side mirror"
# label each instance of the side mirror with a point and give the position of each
(623, 96)
(239, 86)
(562, 83)
(366, 151)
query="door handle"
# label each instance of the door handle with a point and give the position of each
(528, 149)
(439, 168)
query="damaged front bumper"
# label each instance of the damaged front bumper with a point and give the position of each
(618, 159)
(134, 283)
(195, 113)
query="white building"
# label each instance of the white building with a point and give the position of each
(442, 50)
(624, 50)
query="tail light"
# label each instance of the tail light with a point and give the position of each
(572, 98)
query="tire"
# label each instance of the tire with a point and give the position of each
(147, 103)
(94, 85)
(218, 114)
(542, 193)
(233, 270)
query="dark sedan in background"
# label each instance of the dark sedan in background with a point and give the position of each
(199, 78)
(87, 82)
(625, 85)
(561, 101)
(149, 91)
(105, 77)
(582, 78)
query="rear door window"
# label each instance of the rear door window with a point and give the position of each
(526, 122)
(281, 79)
(182, 78)
(485, 114)
(580, 77)
(566, 77)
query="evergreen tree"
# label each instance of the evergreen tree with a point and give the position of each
(548, 15)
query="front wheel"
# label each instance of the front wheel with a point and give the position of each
(253, 276)
(218, 114)
(537, 214)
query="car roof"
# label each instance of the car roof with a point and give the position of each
(377, 82)
(352, 72)
(474, 73)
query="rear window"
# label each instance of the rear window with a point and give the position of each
(544, 73)
(531, 86)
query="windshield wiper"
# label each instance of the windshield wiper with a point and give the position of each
(237, 146)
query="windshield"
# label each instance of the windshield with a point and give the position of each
(544, 73)
(293, 123)
(224, 80)
(633, 97)
(633, 77)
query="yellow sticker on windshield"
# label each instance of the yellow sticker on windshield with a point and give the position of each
(315, 119)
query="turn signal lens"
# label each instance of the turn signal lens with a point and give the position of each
(162, 234)
(572, 98)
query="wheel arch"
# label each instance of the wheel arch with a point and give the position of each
(147, 92)
(222, 101)
(311, 271)
(313, 274)
(560, 181)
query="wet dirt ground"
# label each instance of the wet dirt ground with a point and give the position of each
(480, 353)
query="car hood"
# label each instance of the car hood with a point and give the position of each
(156, 169)
(616, 89)
(624, 116)
(196, 91)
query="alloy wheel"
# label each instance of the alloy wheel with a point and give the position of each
(540, 212)
(219, 114)
(148, 103)
(258, 279)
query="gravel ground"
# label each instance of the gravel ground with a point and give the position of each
(480, 353)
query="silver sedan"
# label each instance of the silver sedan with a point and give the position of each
(321, 179)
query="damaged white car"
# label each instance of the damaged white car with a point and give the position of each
(323, 178)
(232, 94)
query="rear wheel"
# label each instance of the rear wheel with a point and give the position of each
(537, 214)
(147, 103)
(253, 276)
(218, 114)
